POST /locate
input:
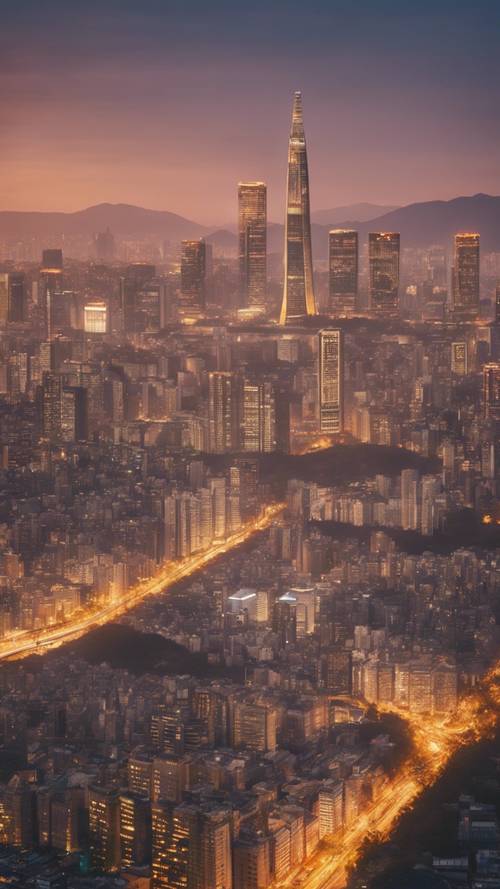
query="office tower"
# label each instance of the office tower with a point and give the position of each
(383, 258)
(465, 277)
(252, 242)
(223, 412)
(491, 391)
(134, 829)
(95, 317)
(331, 381)
(17, 297)
(497, 303)
(52, 387)
(343, 271)
(139, 772)
(298, 285)
(259, 417)
(137, 275)
(255, 726)
(104, 828)
(193, 276)
(409, 499)
(74, 424)
(170, 847)
(459, 359)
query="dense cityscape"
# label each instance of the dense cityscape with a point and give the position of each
(250, 543)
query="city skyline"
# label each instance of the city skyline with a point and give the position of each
(76, 119)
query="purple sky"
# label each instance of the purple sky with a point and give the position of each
(169, 105)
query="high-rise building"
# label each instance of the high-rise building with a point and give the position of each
(104, 828)
(252, 242)
(95, 317)
(298, 285)
(259, 417)
(4, 299)
(383, 258)
(409, 499)
(223, 411)
(465, 277)
(459, 359)
(17, 297)
(343, 271)
(193, 276)
(491, 391)
(134, 829)
(331, 380)
(137, 275)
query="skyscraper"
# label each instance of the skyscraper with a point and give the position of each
(259, 417)
(193, 275)
(330, 378)
(252, 241)
(491, 391)
(383, 255)
(343, 271)
(465, 276)
(298, 286)
(223, 411)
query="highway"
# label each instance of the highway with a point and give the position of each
(435, 740)
(30, 642)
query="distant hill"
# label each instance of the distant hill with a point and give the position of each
(435, 222)
(420, 225)
(362, 212)
(124, 220)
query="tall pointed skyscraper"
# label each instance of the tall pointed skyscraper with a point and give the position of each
(298, 287)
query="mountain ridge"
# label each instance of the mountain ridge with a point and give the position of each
(421, 224)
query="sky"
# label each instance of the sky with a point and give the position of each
(169, 103)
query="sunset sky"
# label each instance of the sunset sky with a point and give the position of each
(168, 103)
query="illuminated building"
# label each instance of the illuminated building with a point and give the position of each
(139, 772)
(252, 242)
(331, 381)
(465, 277)
(224, 404)
(331, 807)
(254, 726)
(383, 259)
(95, 317)
(343, 271)
(134, 829)
(51, 404)
(298, 286)
(459, 359)
(259, 418)
(444, 689)
(193, 276)
(104, 828)
(420, 689)
(409, 499)
(170, 777)
(491, 391)
(191, 847)
(170, 833)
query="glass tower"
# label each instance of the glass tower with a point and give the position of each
(252, 223)
(298, 287)
(465, 278)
